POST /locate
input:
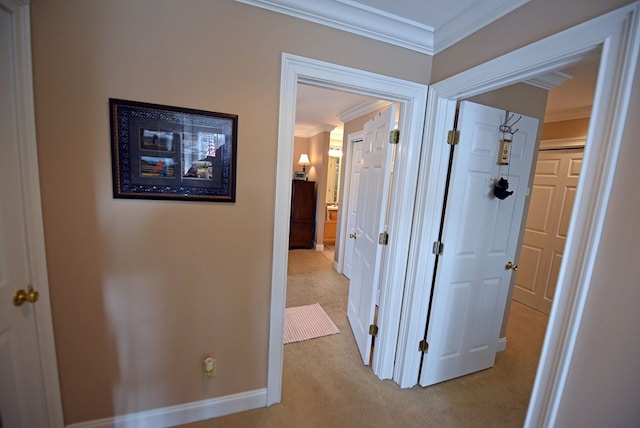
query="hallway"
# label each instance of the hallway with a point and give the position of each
(326, 385)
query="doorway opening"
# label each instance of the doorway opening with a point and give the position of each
(611, 101)
(619, 31)
(411, 97)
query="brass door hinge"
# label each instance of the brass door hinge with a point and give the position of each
(383, 238)
(394, 136)
(373, 330)
(453, 137)
(423, 346)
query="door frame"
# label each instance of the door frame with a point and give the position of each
(412, 98)
(617, 34)
(22, 66)
(345, 200)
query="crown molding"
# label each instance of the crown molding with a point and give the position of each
(362, 109)
(549, 80)
(357, 19)
(308, 133)
(471, 20)
(376, 24)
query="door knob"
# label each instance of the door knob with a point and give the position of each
(353, 235)
(22, 296)
(511, 266)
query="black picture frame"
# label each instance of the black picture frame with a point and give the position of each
(165, 152)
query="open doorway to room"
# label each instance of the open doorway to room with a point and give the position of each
(555, 183)
(615, 71)
(321, 116)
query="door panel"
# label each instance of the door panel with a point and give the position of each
(480, 235)
(22, 400)
(553, 193)
(373, 194)
(356, 164)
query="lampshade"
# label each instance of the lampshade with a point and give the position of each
(304, 159)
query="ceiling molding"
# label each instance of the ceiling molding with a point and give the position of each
(471, 20)
(356, 19)
(576, 113)
(308, 133)
(376, 24)
(549, 80)
(362, 109)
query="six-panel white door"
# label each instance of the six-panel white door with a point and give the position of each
(480, 236)
(373, 194)
(553, 192)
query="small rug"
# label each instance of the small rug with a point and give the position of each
(307, 322)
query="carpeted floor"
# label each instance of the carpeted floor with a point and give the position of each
(325, 383)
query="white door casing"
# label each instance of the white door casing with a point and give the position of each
(480, 236)
(552, 194)
(29, 390)
(351, 203)
(373, 195)
(412, 98)
(619, 33)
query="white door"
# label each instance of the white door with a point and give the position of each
(480, 237)
(373, 194)
(553, 192)
(352, 205)
(22, 396)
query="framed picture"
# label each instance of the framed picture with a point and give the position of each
(163, 152)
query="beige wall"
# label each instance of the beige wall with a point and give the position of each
(319, 155)
(300, 146)
(575, 128)
(533, 21)
(141, 290)
(603, 386)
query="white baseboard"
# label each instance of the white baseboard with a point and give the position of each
(183, 413)
(319, 247)
(502, 344)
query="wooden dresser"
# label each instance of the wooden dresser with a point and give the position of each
(302, 223)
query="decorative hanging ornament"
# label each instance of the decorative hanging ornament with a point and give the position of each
(500, 189)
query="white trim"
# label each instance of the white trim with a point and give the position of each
(362, 109)
(412, 98)
(315, 131)
(472, 19)
(502, 344)
(183, 413)
(357, 18)
(345, 191)
(33, 208)
(549, 80)
(618, 34)
(367, 22)
(563, 143)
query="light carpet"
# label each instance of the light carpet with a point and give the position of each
(307, 322)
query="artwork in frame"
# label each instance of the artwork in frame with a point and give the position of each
(163, 152)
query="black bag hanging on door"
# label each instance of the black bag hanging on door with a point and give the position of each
(500, 189)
